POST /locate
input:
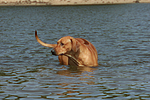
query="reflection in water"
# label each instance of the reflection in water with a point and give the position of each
(78, 70)
(82, 75)
(120, 33)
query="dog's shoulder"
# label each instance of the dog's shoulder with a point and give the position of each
(88, 44)
(83, 41)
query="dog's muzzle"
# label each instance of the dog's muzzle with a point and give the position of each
(54, 53)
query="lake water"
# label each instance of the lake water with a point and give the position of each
(120, 33)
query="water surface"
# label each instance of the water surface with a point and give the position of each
(120, 33)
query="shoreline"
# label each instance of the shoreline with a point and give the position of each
(67, 2)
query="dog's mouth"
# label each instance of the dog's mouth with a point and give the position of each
(76, 62)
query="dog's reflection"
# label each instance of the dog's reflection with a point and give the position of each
(76, 71)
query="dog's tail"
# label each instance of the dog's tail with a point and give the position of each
(42, 43)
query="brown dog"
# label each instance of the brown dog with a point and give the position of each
(73, 51)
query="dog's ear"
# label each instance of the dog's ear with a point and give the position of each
(75, 44)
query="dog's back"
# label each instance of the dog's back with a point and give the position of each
(90, 46)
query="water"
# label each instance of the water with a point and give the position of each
(121, 34)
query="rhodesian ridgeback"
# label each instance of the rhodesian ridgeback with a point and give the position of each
(73, 51)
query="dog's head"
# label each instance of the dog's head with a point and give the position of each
(66, 45)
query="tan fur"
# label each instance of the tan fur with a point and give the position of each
(73, 51)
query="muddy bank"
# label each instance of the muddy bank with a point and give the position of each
(66, 2)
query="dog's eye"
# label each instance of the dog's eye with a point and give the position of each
(62, 44)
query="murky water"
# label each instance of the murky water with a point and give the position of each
(121, 34)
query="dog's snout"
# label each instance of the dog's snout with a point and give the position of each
(53, 52)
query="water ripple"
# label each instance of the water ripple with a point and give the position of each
(119, 32)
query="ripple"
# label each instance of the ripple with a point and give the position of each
(119, 32)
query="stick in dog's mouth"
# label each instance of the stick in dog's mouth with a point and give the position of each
(74, 60)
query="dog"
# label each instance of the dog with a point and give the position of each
(73, 51)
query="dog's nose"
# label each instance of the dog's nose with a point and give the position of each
(53, 52)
